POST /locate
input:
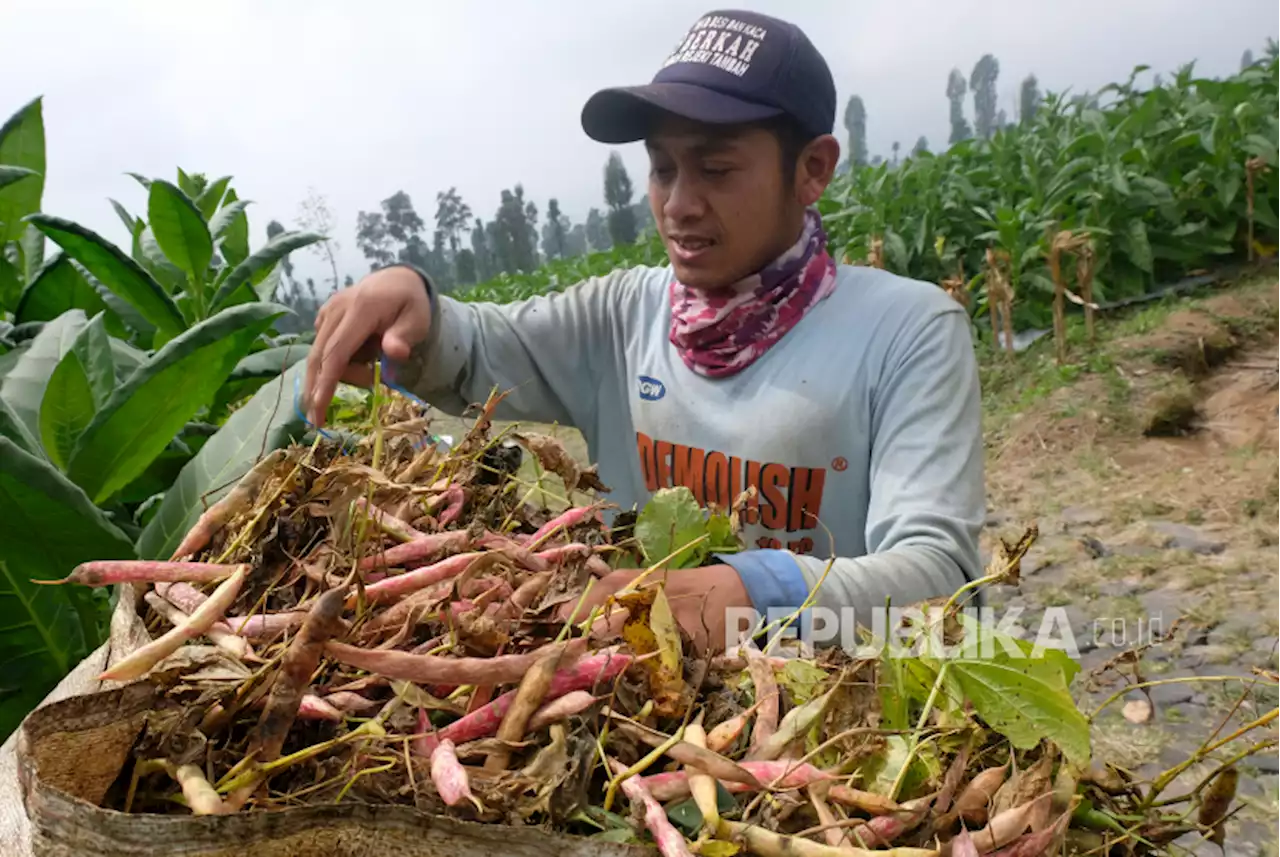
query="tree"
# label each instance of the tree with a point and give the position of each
(373, 240)
(452, 216)
(575, 243)
(486, 265)
(921, 146)
(617, 194)
(855, 122)
(597, 233)
(555, 233)
(1002, 119)
(1246, 59)
(1028, 99)
(403, 223)
(314, 216)
(983, 83)
(896, 146)
(348, 281)
(643, 214)
(513, 236)
(500, 241)
(531, 219)
(956, 90)
(465, 265)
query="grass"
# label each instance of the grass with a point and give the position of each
(1012, 386)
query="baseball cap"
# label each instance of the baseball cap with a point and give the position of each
(730, 67)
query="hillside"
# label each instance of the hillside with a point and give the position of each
(1149, 464)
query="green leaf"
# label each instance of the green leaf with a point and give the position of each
(127, 359)
(123, 315)
(224, 221)
(180, 229)
(187, 184)
(159, 474)
(153, 260)
(234, 245)
(9, 175)
(46, 630)
(125, 217)
(802, 679)
(266, 289)
(720, 535)
(10, 284)
(1020, 690)
(261, 262)
(1138, 247)
(144, 414)
(16, 430)
(670, 520)
(22, 145)
(32, 243)
(208, 201)
(56, 288)
(141, 179)
(267, 421)
(115, 270)
(23, 386)
(81, 382)
(257, 369)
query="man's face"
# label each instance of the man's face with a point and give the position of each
(720, 201)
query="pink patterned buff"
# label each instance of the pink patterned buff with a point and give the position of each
(723, 332)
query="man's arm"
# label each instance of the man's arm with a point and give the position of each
(927, 500)
(550, 351)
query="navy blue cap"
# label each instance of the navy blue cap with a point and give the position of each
(730, 67)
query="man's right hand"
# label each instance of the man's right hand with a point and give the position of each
(387, 312)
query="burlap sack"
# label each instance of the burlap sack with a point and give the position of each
(56, 768)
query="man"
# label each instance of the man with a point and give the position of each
(847, 396)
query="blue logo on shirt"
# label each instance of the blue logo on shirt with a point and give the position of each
(651, 389)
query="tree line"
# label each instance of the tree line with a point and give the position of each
(464, 248)
(988, 117)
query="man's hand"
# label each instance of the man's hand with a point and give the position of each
(388, 311)
(699, 598)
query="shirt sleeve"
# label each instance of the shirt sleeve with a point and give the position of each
(550, 352)
(927, 499)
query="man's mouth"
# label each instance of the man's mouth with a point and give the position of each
(689, 247)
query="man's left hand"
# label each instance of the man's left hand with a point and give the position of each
(699, 599)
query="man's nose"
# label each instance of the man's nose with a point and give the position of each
(685, 200)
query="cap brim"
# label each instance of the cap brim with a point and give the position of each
(626, 114)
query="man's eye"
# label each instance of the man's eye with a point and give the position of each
(717, 172)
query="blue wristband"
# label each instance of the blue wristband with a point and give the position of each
(774, 583)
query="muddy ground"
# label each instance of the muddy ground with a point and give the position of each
(1149, 464)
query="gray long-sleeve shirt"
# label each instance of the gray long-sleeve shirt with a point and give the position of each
(865, 417)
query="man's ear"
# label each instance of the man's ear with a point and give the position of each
(816, 166)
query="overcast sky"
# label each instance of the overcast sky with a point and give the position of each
(360, 99)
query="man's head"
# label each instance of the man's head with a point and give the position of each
(738, 127)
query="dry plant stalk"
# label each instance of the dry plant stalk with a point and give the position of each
(1066, 241)
(1000, 297)
(875, 253)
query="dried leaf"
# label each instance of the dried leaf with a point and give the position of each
(666, 686)
(665, 631)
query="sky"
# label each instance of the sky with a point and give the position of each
(356, 100)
